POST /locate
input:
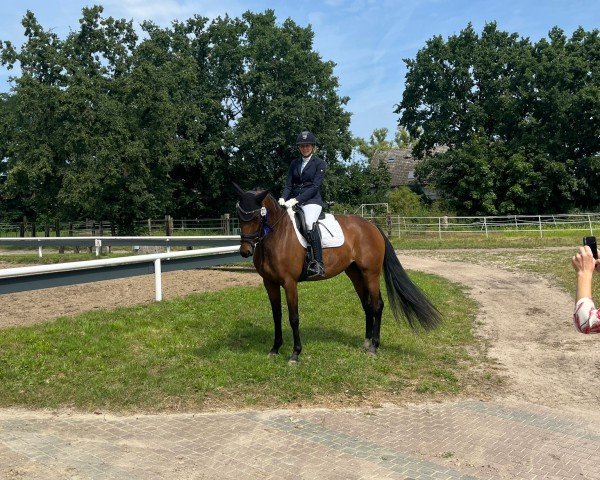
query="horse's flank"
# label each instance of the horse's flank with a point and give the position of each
(279, 264)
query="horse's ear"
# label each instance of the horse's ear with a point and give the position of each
(261, 196)
(238, 189)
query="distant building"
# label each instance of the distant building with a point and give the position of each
(402, 165)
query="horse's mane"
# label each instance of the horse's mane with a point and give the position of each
(258, 190)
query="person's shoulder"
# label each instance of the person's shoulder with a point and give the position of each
(319, 159)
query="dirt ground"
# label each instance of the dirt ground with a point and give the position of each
(525, 320)
(27, 308)
(528, 325)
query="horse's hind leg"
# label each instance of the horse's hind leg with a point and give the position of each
(356, 277)
(376, 306)
(275, 298)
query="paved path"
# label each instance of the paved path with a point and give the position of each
(457, 440)
(526, 435)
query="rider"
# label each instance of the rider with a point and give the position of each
(303, 187)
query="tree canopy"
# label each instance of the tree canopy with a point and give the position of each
(521, 120)
(108, 124)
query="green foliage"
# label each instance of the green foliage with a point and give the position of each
(103, 125)
(356, 183)
(520, 119)
(403, 201)
(10, 208)
(378, 141)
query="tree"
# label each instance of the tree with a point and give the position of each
(378, 141)
(107, 126)
(284, 88)
(506, 109)
(403, 138)
(10, 206)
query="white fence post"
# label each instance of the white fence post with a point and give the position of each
(157, 280)
(540, 222)
(40, 251)
(440, 227)
(590, 222)
(485, 226)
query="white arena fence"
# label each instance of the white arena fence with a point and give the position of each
(395, 224)
(98, 243)
(539, 225)
(61, 274)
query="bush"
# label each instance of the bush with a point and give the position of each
(403, 201)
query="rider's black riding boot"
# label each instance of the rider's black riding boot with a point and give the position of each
(315, 266)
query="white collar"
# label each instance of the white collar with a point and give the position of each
(306, 159)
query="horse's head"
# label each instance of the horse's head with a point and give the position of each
(252, 217)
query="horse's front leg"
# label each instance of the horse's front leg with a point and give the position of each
(274, 293)
(291, 294)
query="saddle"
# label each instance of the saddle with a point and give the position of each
(331, 232)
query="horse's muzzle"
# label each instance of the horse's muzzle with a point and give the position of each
(246, 250)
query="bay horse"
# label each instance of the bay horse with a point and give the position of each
(268, 234)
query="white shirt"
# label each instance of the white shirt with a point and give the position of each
(305, 160)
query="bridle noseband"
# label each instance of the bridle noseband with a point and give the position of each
(254, 238)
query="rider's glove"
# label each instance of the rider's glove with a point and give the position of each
(281, 202)
(290, 203)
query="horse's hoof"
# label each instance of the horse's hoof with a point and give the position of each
(293, 360)
(272, 354)
(372, 352)
(367, 344)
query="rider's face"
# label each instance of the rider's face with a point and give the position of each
(306, 150)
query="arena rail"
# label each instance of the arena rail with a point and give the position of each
(22, 279)
(98, 242)
(540, 225)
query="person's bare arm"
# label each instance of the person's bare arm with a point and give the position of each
(584, 264)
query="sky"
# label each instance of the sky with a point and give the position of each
(367, 39)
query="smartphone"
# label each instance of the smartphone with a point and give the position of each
(591, 242)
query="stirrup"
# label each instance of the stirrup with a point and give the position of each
(315, 269)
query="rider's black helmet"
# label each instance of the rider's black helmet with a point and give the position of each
(306, 138)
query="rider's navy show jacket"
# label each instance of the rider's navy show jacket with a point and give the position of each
(305, 186)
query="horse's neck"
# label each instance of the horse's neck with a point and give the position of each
(277, 217)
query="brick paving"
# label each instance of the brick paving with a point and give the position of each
(466, 439)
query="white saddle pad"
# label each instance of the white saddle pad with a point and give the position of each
(331, 231)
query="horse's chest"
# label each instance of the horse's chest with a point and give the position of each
(276, 268)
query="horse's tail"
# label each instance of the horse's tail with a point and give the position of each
(404, 296)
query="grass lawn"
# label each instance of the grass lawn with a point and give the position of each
(210, 351)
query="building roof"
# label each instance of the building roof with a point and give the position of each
(401, 163)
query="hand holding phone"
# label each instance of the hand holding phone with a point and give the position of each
(591, 242)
